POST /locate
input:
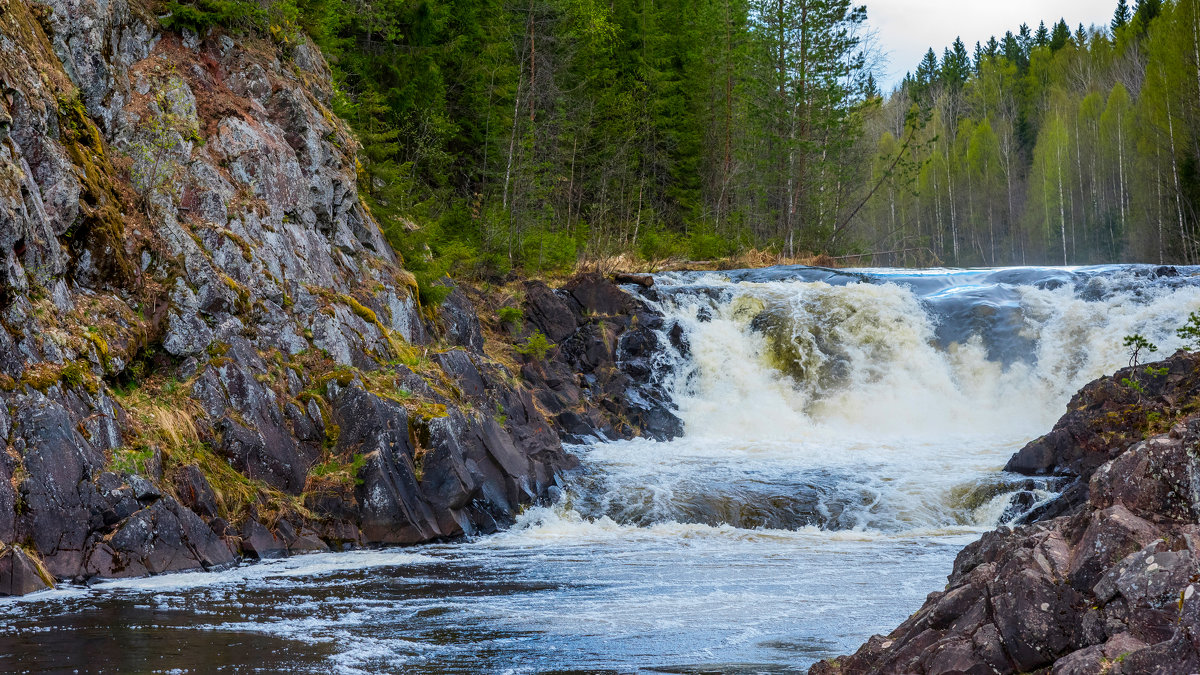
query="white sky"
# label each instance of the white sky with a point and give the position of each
(906, 28)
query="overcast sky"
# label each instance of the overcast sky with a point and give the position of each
(906, 28)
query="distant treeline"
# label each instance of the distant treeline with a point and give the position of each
(530, 133)
(1046, 146)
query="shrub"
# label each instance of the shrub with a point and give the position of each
(659, 245)
(512, 316)
(1190, 332)
(1136, 344)
(547, 251)
(535, 345)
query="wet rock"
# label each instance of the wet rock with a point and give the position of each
(259, 542)
(253, 432)
(302, 540)
(1104, 418)
(457, 364)
(392, 511)
(20, 574)
(1098, 658)
(244, 267)
(60, 499)
(548, 312)
(164, 537)
(598, 296)
(1111, 534)
(612, 340)
(8, 500)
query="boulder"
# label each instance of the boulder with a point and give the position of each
(20, 574)
(259, 542)
(164, 537)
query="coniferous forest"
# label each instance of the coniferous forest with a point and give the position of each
(503, 133)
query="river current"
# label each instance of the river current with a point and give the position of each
(844, 438)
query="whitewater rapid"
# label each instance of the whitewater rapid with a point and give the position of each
(844, 433)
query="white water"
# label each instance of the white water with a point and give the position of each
(842, 442)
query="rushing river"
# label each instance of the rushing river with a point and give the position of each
(844, 438)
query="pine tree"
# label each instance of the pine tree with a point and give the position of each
(1121, 16)
(956, 65)
(1060, 36)
(1042, 37)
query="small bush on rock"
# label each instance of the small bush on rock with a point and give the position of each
(536, 345)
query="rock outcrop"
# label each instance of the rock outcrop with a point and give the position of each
(602, 376)
(209, 351)
(1106, 585)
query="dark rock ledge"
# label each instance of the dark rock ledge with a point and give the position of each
(1107, 580)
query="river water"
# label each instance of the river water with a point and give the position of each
(844, 438)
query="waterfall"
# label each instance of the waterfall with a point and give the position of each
(873, 401)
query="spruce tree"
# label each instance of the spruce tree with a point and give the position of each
(1121, 16)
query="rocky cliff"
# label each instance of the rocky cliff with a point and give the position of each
(1105, 580)
(208, 350)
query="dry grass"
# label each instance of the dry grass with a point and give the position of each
(161, 416)
(749, 259)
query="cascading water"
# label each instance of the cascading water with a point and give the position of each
(844, 433)
(877, 400)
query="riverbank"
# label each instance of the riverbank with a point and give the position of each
(210, 352)
(1104, 579)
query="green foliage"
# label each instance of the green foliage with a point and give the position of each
(1133, 384)
(341, 471)
(1190, 332)
(73, 374)
(201, 15)
(1136, 344)
(130, 460)
(503, 135)
(535, 345)
(512, 316)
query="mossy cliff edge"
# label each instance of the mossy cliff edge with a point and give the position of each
(207, 349)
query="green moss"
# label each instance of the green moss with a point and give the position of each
(41, 376)
(242, 293)
(97, 340)
(100, 229)
(364, 312)
(343, 375)
(218, 349)
(130, 460)
(72, 375)
(247, 252)
(339, 471)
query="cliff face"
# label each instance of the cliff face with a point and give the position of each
(1106, 582)
(207, 349)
